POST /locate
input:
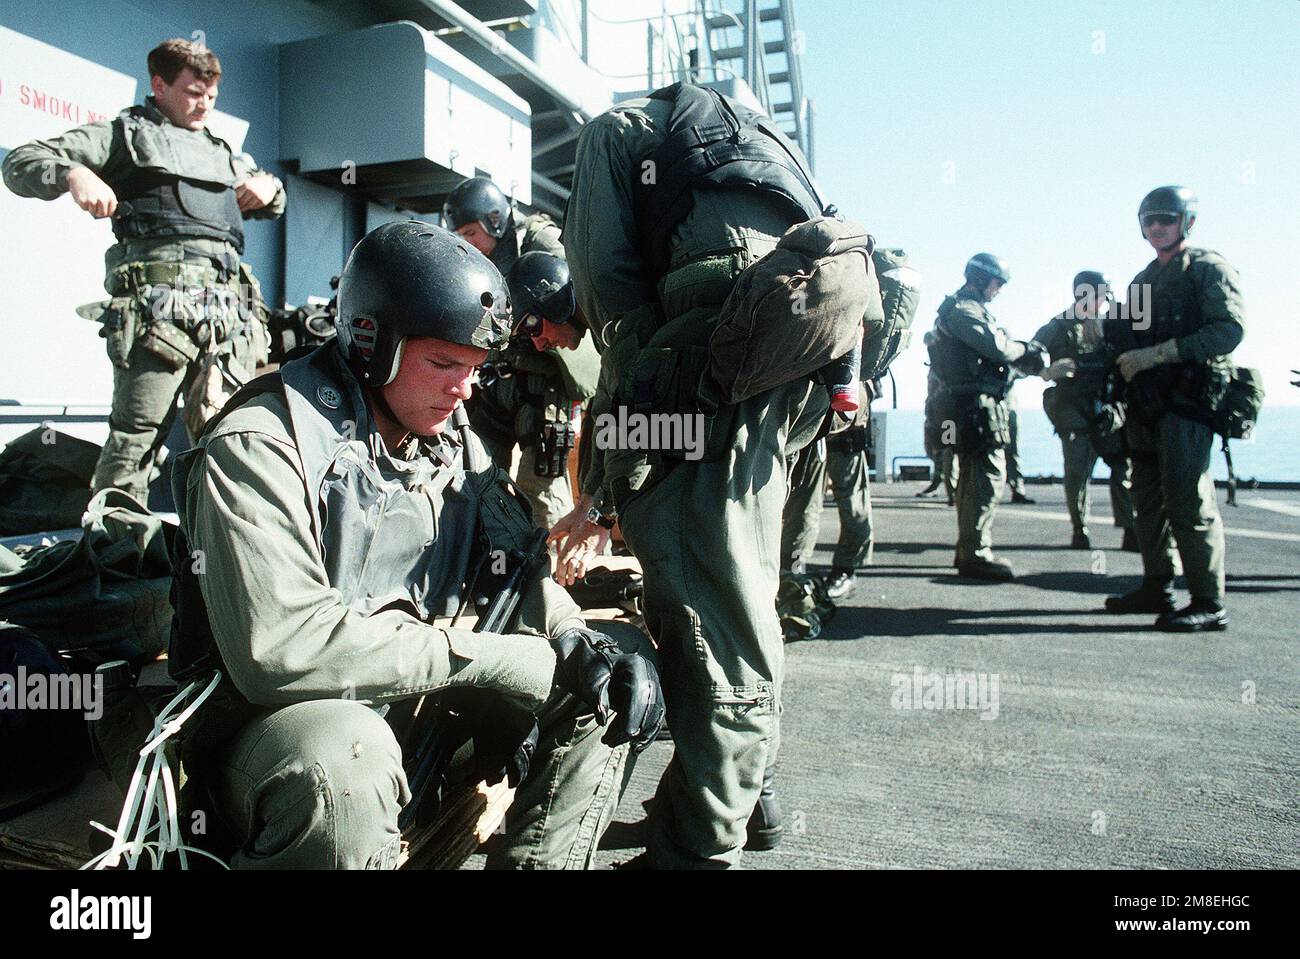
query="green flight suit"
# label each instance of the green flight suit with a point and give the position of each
(318, 613)
(1196, 300)
(539, 390)
(940, 444)
(1073, 406)
(197, 258)
(707, 532)
(849, 475)
(973, 369)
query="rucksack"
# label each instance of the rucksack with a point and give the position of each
(900, 294)
(713, 142)
(798, 308)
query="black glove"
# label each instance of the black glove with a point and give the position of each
(1035, 359)
(593, 668)
(505, 739)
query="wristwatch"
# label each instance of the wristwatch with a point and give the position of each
(594, 515)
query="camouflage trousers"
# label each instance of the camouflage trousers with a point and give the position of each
(151, 372)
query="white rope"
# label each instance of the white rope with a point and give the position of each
(154, 808)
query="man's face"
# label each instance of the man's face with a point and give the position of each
(1162, 230)
(563, 336)
(477, 237)
(992, 290)
(432, 378)
(187, 101)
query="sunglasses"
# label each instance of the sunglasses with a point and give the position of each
(1162, 219)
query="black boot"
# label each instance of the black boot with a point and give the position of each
(1019, 497)
(1130, 542)
(1080, 539)
(1153, 596)
(766, 824)
(1200, 615)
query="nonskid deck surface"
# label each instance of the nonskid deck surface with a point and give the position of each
(1113, 746)
(1107, 745)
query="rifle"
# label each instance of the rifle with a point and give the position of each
(446, 723)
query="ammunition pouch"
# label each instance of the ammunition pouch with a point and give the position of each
(983, 423)
(170, 344)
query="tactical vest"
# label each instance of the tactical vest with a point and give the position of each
(181, 183)
(1174, 311)
(713, 143)
(959, 369)
(391, 532)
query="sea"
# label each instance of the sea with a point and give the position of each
(1272, 454)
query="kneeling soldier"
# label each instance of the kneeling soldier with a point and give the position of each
(329, 521)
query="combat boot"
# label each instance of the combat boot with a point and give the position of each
(1200, 615)
(839, 583)
(766, 824)
(1153, 596)
(1018, 497)
(996, 568)
(1080, 539)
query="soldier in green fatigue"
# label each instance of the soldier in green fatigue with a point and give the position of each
(939, 443)
(533, 391)
(1082, 407)
(186, 313)
(1183, 318)
(842, 459)
(656, 234)
(975, 361)
(320, 608)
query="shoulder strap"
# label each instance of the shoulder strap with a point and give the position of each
(266, 383)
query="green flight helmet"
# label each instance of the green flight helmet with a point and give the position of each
(416, 279)
(479, 200)
(983, 267)
(1177, 201)
(540, 287)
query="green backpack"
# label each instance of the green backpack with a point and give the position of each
(900, 293)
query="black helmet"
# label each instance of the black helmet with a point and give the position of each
(1089, 280)
(478, 198)
(416, 279)
(540, 286)
(983, 267)
(1170, 201)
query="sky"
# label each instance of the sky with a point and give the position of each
(1033, 130)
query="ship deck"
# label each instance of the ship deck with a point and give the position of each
(1113, 746)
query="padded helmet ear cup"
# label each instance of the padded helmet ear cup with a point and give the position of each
(416, 279)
